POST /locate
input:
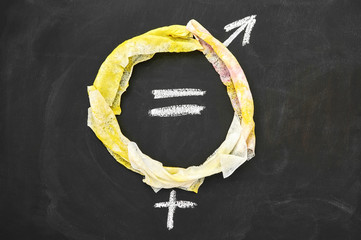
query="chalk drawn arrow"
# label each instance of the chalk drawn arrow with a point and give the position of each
(246, 24)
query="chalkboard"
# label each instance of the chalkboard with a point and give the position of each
(303, 65)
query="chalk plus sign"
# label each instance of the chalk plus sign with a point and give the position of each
(172, 205)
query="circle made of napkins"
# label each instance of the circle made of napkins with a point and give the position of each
(112, 81)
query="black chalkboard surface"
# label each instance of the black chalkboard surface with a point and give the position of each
(303, 64)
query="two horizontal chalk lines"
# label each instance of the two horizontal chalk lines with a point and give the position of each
(177, 110)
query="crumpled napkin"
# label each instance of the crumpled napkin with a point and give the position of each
(113, 78)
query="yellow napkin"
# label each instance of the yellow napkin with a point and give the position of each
(113, 78)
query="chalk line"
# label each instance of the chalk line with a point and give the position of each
(177, 92)
(176, 110)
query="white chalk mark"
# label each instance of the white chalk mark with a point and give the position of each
(176, 110)
(246, 24)
(177, 92)
(172, 204)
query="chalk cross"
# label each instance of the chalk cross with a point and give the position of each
(172, 204)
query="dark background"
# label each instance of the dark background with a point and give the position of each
(57, 180)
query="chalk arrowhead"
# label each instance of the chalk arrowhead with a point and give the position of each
(246, 24)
